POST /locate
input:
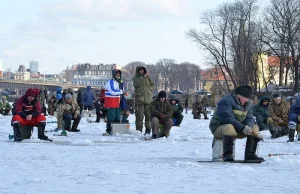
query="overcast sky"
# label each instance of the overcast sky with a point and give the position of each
(59, 33)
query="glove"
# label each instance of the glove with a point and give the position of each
(162, 116)
(298, 118)
(247, 130)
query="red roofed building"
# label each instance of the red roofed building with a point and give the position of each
(213, 77)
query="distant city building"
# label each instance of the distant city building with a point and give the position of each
(34, 67)
(22, 74)
(87, 70)
(96, 81)
(1, 70)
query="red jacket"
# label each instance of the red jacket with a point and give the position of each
(24, 107)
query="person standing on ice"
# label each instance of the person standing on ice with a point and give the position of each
(294, 120)
(233, 119)
(28, 113)
(143, 87)
(161, 112)
(112, 99)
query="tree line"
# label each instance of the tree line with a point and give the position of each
(233, 36)
(166, 74)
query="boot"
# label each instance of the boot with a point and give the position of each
(125, 118)
(41, 131)
(75, 125)
(228, 148)
(17, 131)
(154, 136)
(108, 127)
(67, 125)
(147, 131)
(298, 135)
(250, 149)
(291, 135)
(217, 150)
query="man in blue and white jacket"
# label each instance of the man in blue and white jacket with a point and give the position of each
(114, 91)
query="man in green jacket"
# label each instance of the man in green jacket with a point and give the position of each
(161, 113)
(143, 87)
(261, 113)
(177, 110)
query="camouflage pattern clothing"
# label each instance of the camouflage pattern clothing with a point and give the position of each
(65, 108)
(278, 112)
(198, 109)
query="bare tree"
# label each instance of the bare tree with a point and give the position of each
(227, 37)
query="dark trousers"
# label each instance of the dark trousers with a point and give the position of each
(103, 115)
(67, 118)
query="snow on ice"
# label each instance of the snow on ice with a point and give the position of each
(87, 162)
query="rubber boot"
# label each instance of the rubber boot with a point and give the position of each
(298, 135)
(217, 150)
(250, 149)
(17, 131)
(108, 129)
(147, 131)
(41, 131)
(228, 148)
(291, 135)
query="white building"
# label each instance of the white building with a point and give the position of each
(96, 81)
(22, 75)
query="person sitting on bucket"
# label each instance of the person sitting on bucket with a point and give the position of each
(28, 113)
(161, 113)
(233, 119)
(67, 111)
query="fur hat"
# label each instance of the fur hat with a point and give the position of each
(68, 96)
(162, 94)
(244, 90)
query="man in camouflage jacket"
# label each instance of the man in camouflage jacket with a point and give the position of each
(68, 110)
(278, 123)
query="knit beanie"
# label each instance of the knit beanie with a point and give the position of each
(244, 90)
(162, 94)
(68, 96)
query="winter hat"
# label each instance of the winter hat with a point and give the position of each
(277, 95)
(162, 94)
(32, 92)
(68, 96)
(244, 90)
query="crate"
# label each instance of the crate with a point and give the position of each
(120, 128)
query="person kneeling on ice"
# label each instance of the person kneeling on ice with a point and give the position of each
(294, 120)
(28, 113)
(233, 119)
(161, 112)
(67, 111)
